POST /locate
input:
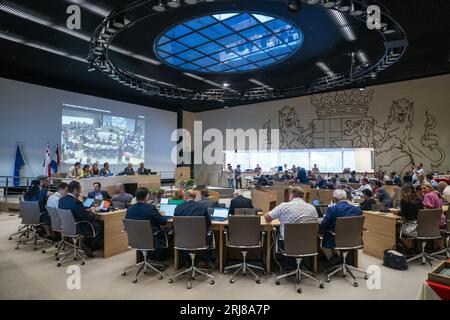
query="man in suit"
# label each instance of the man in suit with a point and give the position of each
(105, 170)
(210, 203)
(342, 208)
(129, 171)
(80, 213)
(98, 193)
(239, 201)
(194, 208)
(302, 175)
(142, 210)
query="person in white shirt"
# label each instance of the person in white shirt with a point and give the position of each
(294, 211)
(364, 185)
(417, 172)
(53, 200)
(444, 190)
(75, 171)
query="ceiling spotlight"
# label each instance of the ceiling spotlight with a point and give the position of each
(101, 40)
(312, 2)
(104, 34)
(386, 30)
(294, 5)
(345, 6)
(119, 21)
(91, 67)
(329, 4)
(159, 7)
(110, 27)
(373, 75)
(226, 84)
(354, 11)
(190, 1)
(173, 3)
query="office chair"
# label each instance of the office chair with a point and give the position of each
(244, 232)
(69, 230)
(446, 234)
(244, 212)
(190, 235)
(348, 236)
(21, 228)
(140, 238)
(427, 229)
(300, 241)
(31, 214)
(56, 227)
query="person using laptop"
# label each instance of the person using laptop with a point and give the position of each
(142, 210)
(98, 193)
(294, 211)
(80, 213)
(194, 208)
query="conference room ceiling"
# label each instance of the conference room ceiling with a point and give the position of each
(37, 47)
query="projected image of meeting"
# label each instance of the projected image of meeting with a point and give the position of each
(93, 137)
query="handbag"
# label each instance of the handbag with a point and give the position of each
(394, 259)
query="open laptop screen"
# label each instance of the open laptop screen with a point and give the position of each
(168, 209)
(221, 213)
(164, 200)
(88, 202)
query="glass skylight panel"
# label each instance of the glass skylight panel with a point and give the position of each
(193, 40)
(228, 42)
(241, 22)
(216, 31)
(200, 22)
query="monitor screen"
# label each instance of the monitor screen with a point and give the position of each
(168, 209)
(220, 213)
(164, 201)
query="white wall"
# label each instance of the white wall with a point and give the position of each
(31, 114)
(423, 135)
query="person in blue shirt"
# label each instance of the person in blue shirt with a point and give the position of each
(142, 210)
(194, 208)
(37, 191)
(301, 175)
(342, 208)
(98, 193)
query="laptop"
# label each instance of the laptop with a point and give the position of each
(316, 202)
(220, 214)
(104, 206)
(89, 202)
(168, 209)
(164, 201)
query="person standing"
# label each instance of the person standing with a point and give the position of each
(238, 177)
(230, 176)
(315, 170)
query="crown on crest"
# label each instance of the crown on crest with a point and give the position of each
(342, 104)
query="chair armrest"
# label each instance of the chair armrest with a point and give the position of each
(331, 232)
(320, 236)
(90, 224)
(211, 233)
(166, 240)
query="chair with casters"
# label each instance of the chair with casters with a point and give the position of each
(69, 231)
(244, 232)
(31, 216)
(427, 229)
(141, 238)
(190, 235)
(300, 241)
(244, 212)
(444, 253)
(57, 228)
(348, 236)
(21, 227)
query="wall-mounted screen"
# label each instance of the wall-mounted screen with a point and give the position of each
(94, 137)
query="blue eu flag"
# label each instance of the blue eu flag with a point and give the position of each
(18, 164)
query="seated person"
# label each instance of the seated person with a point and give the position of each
(129, 171)
(444, 191)
(194, 208)
(364, 185)
(353, 178)
(53, 200)
(342, 209)
(75, 171)
(86, 171)
(95, 171)
(321, 183)
(382, 195)
(178, 197)
(239, 201)
(286, 176)
(98, 193)
(366, 205)
(210, 203)
(141, 169)
(105, 170)
(121, 195)
(142, 210)
(294, 211)
(80, 213)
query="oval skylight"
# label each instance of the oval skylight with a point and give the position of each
(228, 42)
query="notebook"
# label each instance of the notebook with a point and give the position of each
(168, 209)
(220, 214)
